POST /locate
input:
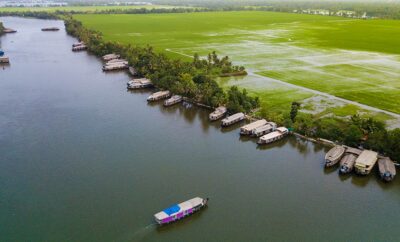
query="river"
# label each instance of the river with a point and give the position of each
(83, 159)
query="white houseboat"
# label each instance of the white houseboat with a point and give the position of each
(79, 47)
(114, 67)
(139, 83)
(235, 118)
(263, 130)
(173, 100)
(274, 136)
(4, 59)
(181, 210)
(158, 96)
(246, 130)
(117, 61)
(387, 170)
(218, 113)
(110, 57)
(365, 162)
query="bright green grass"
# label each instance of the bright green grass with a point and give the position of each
(350, 58)
(80, 8)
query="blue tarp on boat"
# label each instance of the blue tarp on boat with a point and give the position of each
(173, 209)
(1, 53)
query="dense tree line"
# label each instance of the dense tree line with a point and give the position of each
(191, 79)
(356, 131)
(30, 14)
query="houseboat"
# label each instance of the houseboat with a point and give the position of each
(158, 96)
(348, 160)
(50, 29)
(173, 100)
(4, 60)
(110, 57)
(387, 170)
(334, 155)
(9, 31)
(79, 47)
(274, 136)
(114, 67)
(218, 113)
(246, 130)
(235, 118)
(139, 83)
(77, 44)
(263, 130)
(115, 61)
(181, 210)
(365, 162)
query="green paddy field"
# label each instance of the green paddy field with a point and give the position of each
(354, 59)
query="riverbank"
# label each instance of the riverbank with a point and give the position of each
(86, 160)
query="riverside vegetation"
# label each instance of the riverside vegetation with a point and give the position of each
(195, 79)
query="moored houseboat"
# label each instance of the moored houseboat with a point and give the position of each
(78, 43)
(50, 29)
(235, 118)
(79, 47)
(158, 96)
(387, 170)
(115, 61)
(139, 83)
(181, 210)
(246, 129)
(114, 67)
(173, 100)
(365, 162)
(347, 163)
(9, 31)
(334, 155)
(110, 57)
(4, 60)
(218, 113)
(263, 130)
(348, 160)
(274, 136)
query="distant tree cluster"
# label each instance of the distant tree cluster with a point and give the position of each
(30, 14)
(194, 80)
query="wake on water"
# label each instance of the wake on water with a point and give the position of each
(139, 234)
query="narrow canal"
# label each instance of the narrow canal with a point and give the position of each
(83, 159)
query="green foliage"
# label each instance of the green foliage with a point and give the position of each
(1, 28)
(294, 110)
(190, 79)
(241, 101)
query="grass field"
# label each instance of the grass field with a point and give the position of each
(80, 8)
(350, 58)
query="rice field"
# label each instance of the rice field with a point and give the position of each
(354, 59)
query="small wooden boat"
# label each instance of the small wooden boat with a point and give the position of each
(334, 155)
(9, 31)
(181, 210)
(218, 113)
(274, 136)
(78, 44)
(387, 170)
(4, 60)
(235, 118)
(79, 47)
(347, 163)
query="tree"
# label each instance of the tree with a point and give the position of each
(293, 111)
